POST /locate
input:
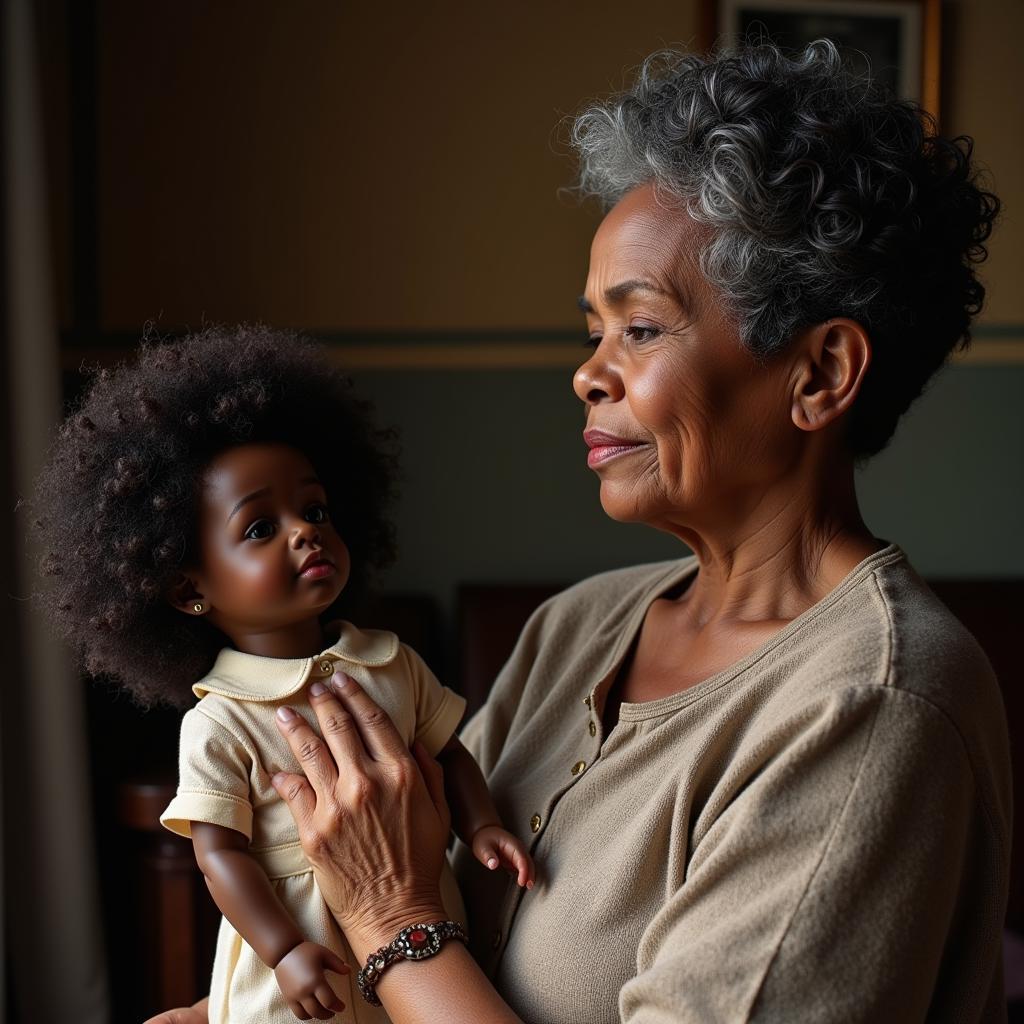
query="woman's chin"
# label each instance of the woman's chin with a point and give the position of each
(626, 506)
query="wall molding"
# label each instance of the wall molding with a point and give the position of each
(495, 349)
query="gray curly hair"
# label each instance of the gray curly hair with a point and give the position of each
(827, 197)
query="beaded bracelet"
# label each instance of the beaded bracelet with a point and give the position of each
(417, 942)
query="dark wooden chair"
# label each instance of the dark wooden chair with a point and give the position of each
(993, 610)
(173, 914)
(490, 618)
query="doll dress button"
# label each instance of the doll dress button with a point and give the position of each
(325, 667)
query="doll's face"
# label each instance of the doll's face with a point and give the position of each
(269, 558)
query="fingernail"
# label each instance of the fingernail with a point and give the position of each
(317, 688)
(340, 680)
(277, 779)
(285, 714)
(529, 885)
(492, 863)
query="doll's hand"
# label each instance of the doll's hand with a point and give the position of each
(300, 976)
(493, 846)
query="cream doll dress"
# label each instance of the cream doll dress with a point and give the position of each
(231, 748)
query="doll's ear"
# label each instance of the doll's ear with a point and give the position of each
(184, 595)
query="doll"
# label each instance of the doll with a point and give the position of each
(204, 511)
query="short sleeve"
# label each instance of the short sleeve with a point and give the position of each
(213, 778)
(438, 709)
(832, 887)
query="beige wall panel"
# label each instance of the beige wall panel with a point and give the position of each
(342, 165)
(984, 97)
(354, 166)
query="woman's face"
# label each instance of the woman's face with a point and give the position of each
(269, 555)
(685, 428)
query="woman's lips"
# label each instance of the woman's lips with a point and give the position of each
(606, 446)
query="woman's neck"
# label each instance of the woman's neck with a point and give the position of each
(774, 561)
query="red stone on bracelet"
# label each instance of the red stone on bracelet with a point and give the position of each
(417, 942)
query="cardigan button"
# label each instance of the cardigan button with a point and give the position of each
(496, 940)
(535, 823)
(579, 768)
(593, 729)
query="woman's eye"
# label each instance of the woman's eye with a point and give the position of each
(593, 341)
(639, 333)
(317, 514)
(260, 530)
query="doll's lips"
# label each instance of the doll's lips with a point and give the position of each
(316, 567)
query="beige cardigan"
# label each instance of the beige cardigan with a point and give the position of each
(818, 833)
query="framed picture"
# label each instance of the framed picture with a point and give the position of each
(895, 41)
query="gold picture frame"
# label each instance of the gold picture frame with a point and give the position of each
(898, 40)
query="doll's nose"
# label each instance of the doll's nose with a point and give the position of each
(304, 533)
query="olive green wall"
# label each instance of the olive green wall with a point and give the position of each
(496, 485)
(390, 174)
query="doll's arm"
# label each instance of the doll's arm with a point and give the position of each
(242, 891)
(475, 819)
(466, 791)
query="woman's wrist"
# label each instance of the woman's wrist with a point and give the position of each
(367, 935)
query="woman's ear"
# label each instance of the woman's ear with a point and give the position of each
(185, 596)
(834, 356)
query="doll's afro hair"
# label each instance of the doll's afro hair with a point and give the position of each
(116, 503)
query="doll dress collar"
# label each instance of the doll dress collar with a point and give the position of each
(255, 678)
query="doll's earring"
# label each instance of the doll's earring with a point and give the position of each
(198, 608)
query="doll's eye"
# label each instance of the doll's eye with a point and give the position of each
(260, 530)
(317, 514)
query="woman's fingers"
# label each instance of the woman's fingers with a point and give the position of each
(298, 794)
(377, 730)
(186, 1015)
(338, 728)
(309, 749)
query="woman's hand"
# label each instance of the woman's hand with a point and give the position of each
(372, 823)
(197, 1014)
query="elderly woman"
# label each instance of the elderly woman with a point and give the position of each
(769, 781)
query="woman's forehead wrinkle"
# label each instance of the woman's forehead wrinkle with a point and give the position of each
(642, 241)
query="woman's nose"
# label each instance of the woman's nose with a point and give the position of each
(597, 380)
